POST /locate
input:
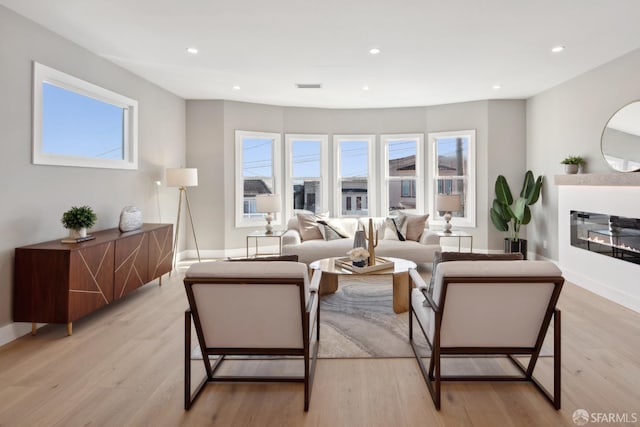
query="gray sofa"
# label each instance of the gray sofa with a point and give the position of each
(420, 252)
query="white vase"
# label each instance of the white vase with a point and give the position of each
(80, 233)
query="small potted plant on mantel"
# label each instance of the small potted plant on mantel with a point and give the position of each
(77, 220)
(572, 164)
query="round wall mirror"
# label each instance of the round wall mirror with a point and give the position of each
(620, 143)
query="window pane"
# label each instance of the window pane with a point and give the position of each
(253, 187)
(257, 157)
(454, 186)
(306, 158)
(402, 158)
(453, 154)
(354, 158)
(355, 200)
(81, 126)
(306, 195)
(402, 194)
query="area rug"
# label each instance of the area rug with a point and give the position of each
(358, 321)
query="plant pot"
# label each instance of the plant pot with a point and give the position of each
(514, 246)
(79, 233)
(359, 263)
(571, 169)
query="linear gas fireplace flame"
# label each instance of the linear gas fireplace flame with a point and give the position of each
(609, 235)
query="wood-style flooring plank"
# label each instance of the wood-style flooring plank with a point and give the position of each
(123, 367)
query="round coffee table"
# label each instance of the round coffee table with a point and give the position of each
(399, 272)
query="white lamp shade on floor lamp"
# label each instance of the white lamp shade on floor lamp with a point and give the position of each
(182, 177)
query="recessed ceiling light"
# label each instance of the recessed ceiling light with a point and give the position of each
(557, 49)
(496, 87)
(365, 87)
(236, 87)
(192, 50)
(374, 51)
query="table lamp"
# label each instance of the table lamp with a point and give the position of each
(447, 203)
(269, 204)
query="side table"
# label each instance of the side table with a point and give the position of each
(459, 235)
(261, 234)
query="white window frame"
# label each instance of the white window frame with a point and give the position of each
(470, 219)
(384, 167)
(371, 178)
(43, 74)
(324, 169)
(241, 221)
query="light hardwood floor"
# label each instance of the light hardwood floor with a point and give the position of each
(123, 367)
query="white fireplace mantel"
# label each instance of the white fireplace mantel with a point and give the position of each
(599, 179)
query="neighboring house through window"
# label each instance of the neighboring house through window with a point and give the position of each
(454, 172)
(354, 170)
(257, 172)
(307, 173)
(402, 167)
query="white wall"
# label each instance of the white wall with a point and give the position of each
(211, 127)
(569, 119)
(34, 197)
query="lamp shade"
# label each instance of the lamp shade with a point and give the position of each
(448, 202)
(267, 203)
(182, 177)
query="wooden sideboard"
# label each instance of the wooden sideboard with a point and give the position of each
(58, 282)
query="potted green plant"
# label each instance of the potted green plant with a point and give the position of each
(509, 214)
(572, 164)
(78, 219)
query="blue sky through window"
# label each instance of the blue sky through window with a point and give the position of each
(77, 125)
(354, 159)
(306, 159)
(402, 148)
(257, 157)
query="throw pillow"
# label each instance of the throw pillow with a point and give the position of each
(330, 231)
(415, 225)
(308, 225)
(392, 230)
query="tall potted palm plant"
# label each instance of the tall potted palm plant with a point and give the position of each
(509, 214)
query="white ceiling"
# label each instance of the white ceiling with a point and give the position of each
(433, 51)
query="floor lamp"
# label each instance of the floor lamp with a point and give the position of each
(183, 178)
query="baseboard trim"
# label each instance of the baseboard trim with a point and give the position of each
(631, 302)
(15, 330)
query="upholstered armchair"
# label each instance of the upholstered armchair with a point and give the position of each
(496, 308)
(251, 308)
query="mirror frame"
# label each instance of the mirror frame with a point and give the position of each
(602, 141)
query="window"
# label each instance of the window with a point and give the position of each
(453, 172)
(354, 174)
(403, 171)
(307, 173)
(257, 172)
(76, 123)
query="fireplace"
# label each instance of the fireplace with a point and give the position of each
(609, 235)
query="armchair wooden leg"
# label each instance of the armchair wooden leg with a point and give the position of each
(187, 360)
(189, 398)
(557, 353)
